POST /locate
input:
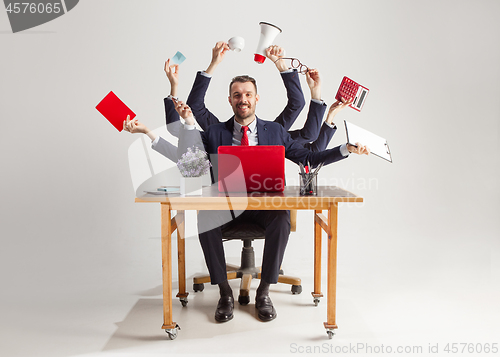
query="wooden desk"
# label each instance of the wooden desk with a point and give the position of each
(328, 199)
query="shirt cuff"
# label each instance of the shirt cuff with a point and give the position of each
(343, 150)
(205, 74)
(155, 141)
(320, 102)
(170, 96)
(333, 126)
(189, 127)
(289, 70)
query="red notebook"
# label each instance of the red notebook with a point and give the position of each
(114, 110)
(258, 168)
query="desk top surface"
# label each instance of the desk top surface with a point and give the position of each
(211, 198)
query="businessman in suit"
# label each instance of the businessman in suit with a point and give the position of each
(245, 128)
(313, 135)
(295, 102)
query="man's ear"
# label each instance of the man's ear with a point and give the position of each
(257, 97)
(229, 99)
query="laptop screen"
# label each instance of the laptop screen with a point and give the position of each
(258, 168)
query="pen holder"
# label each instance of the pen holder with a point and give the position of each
(308, 184)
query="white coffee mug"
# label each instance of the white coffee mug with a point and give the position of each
(236, 43)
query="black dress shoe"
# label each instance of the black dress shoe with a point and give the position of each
(265, 308)
(224, 310)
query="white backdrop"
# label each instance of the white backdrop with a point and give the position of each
(73, 238)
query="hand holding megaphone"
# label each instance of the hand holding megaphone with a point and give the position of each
(268, 33)
(275, 52)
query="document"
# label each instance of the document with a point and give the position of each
(377, 145)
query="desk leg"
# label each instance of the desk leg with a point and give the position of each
(330, 323)
(166, 257)
(181, 257)
(317, 260)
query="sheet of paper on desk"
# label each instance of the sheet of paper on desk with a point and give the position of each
(156, 192)
(168, 189)
(377, 145)
(164, 190)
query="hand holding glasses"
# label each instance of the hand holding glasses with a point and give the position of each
(302, 68)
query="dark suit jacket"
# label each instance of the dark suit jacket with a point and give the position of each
(325, 135)
(268, 133)
(313, 135)
(286, 118)
(172, 117)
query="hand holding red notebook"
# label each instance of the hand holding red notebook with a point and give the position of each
(114, 110)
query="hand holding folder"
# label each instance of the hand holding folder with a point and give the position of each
(378, 146)
(114, 110)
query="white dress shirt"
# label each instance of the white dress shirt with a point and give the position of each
(252, 134)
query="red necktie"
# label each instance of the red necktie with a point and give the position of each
(244, 137)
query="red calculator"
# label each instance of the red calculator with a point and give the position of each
(351, 90)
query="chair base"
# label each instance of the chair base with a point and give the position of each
(246, 275)
(247, 269)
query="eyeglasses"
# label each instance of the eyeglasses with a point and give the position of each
(302, 68)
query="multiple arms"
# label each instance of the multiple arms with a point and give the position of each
(287, 117)
(174, 109)
(328, 128)
(293, 150)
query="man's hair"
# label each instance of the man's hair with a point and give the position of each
(243, 79)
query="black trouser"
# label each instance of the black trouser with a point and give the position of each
(276, 225)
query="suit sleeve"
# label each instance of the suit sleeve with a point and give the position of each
(190, 138)
(325, 136)
(196, 101)
(172, 117)
(296, 101)
(311, 128)
(166, 149)
(297, 153)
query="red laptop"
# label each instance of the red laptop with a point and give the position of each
(258, 168)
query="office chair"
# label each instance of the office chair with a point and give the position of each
(247, 232)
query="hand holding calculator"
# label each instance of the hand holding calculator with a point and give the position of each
(352, 91)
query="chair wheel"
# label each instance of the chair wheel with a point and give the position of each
(184, 301)
(296, 289)
(244, 300)
(282, 272)
(198, 287)
(330, 334)
(172, 333)
(316, 301)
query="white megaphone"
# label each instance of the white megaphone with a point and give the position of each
(268, 33)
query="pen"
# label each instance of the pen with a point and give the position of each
(311, 177)
(318, 168)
